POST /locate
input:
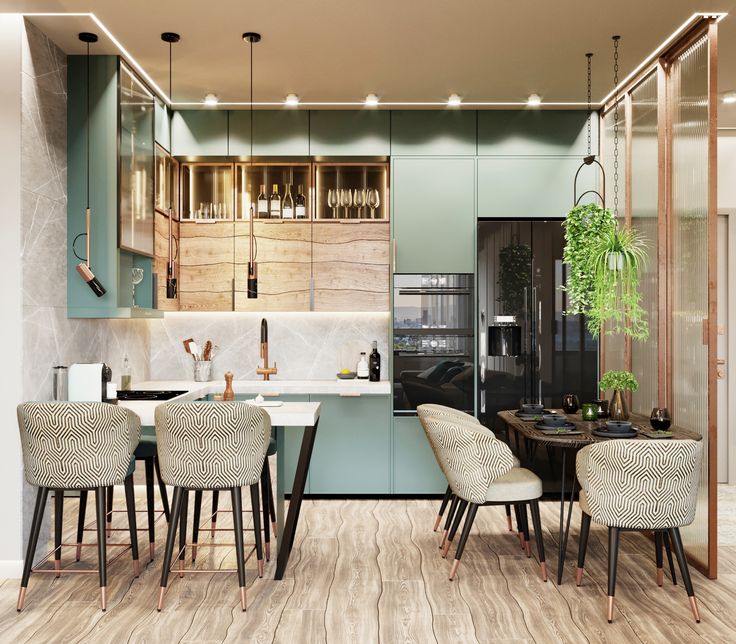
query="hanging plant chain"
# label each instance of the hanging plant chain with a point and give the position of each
(590, 109)
(615, 126)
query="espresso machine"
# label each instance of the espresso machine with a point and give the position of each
(91, 382)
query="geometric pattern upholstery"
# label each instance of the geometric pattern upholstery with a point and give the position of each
(77, 445)
(640, 485)
(206, 445)
(468, 454)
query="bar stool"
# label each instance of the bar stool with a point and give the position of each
(77, 446)
(206, 446)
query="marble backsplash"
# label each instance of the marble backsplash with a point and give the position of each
(303, 345)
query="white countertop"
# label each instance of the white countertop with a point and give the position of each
(289, 414)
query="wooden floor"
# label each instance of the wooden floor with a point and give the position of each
(370, 571)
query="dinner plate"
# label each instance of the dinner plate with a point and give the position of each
(522, 416)
(542, 427)
(603, 433)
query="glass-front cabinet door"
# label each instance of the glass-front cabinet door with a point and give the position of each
(206, 191)
(277, 191)
(167, 182)
(137, 164)
(356, 191)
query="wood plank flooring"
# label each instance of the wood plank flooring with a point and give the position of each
(370, 571)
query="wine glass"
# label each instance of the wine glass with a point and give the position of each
(332, 201)
(373, 200)
(660, 419)
(346, 200)
(136, 278)
(359, 200)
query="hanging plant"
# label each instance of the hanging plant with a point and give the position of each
(514, 275)
(614, 263)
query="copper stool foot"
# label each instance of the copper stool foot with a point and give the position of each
(181, 567)
(528, 548)
(610, 609)
(242, 598)
(136, 568)
(21, 599)
(109, 529)
(57, 567)
(151, 549)
(444, 538)
(453, 570)
(161, 598)
(543, 566)
(79, 551)
(437, 523)
(267, 548)
(579, 576)
(194, 552)
(694, 606)
(103, 597)
(274, 530)
(213, 527)
(509, 524)
(660, 576)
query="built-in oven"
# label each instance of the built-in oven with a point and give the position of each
(433, 341)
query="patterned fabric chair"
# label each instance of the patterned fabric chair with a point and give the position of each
(480, 470)
(212, 446)
(637, 485)
(77, 446)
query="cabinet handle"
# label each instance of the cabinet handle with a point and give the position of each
(350, 395)
(270, 394)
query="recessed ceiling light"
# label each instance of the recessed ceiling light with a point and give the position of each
(729, 97)
(534, 100)
(211, 99)
(454, 100)
(292, 100)
(371, 100)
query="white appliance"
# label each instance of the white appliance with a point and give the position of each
(88, 382)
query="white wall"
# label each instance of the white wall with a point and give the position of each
(11, 295)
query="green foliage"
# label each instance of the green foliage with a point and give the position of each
(619, 380)
(515, 273)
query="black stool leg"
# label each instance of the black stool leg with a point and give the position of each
(132, 523)
(510, 526)
(443, 507)
(266, 523)
(100, 494)
(58, 525)
(519, 530)
(271, 505)
(162, 490)
(195, 527)
(215, 501)
(658, 541)
(455, 525)
(448, 521)
(148, 462)
(237, 501)
(613, 538)
(583, 547)
(257, 526)
(183, 529)
(80, 521)
(525, 528)
(538, 536)
(668, 550)
(41, 496)
(169, 548)
(684, 570)
(472, 509)
(108, 518)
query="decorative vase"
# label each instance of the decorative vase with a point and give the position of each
(617, 409)
(615, 261)
(570, 403)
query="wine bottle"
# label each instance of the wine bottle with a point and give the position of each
(300, 201)
(262, 203)
(275, 203)
(375, 364)
(288, 205)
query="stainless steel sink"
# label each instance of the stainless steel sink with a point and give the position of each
(133, 394)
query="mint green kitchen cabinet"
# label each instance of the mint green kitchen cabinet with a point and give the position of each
(352, 451)
(199, 133)
(535, 133)
(447, 132)
(533, 187)
(415, 467)
(275, 133)
(433, 214)
(350, 133)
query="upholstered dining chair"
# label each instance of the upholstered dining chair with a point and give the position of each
(638, 485)
(209, 446)
(480, 470)
(440, 411)
(77, 446)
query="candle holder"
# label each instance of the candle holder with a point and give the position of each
(590, 411)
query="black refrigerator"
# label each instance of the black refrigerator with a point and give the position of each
(528, 349)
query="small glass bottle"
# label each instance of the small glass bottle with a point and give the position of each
(288, 205)
(275, 203)
(300, 203)
(374, 364)
(125, 377)
(262, 203)
(363, 370)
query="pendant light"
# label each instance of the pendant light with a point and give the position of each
(171, 283)
(252, 37)
(83, 268)
(589, 159)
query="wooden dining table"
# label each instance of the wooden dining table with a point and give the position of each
(527, 433)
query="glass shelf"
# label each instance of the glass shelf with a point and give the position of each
(338, 184)
(287, 177)
(167, 183)
(206, 192)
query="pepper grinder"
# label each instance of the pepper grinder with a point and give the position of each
(229, 394)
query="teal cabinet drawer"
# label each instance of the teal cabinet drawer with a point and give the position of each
(415, 467)
(433, 132)
(199, 132)
(352, 451)
(530, 187)
(350, 133)
(275, 133)
(433, 215)
(535, 133)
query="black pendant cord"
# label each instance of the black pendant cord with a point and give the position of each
(88, 111)
(615, 125)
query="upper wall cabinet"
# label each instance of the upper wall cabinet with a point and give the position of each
(275, 133)
(162, 129)
(350, 133)
(535, 133)
(432, 132)
(199, 133)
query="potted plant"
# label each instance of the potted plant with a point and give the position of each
(618, 381)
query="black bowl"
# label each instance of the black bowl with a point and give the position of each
(532, 408)
(618, 426)
(554, 420)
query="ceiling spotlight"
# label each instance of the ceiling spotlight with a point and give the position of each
(729, 98)
(371, 100)
(292, 100)
(534, 100)
(454, 100)
(211, 99)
